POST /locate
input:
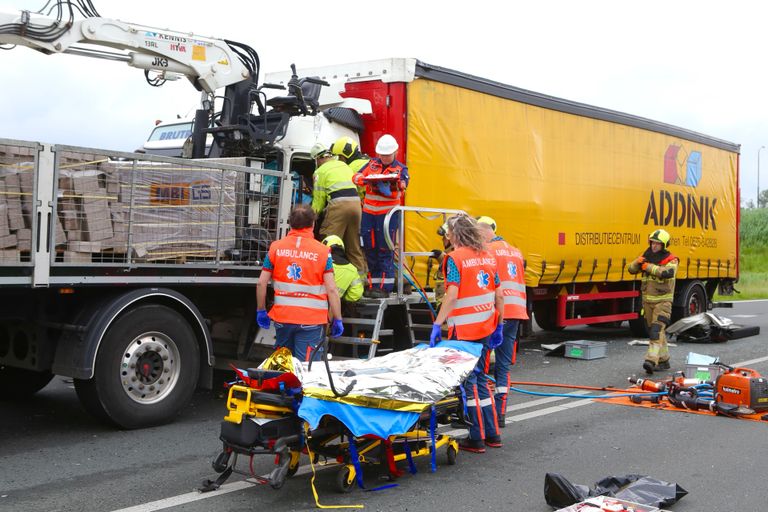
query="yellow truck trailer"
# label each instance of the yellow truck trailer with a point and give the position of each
(578, 188)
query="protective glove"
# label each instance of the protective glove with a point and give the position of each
(639, 261)
(645, 266)
(337, 328)
(497, 337)
(262, 318)
(436, 253)
(384, 188)
(435, 337)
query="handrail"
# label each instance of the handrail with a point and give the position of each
(401, 252)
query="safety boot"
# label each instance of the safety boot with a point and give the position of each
(649, 367)
(663, 365)
(375, 293)
(493, 441)
(471, 445)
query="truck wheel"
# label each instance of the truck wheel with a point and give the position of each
(16, 383)
(695, 300)
(545, 313)
(638, 328)
(146, 369)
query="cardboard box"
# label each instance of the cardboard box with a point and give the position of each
(8, 241)
(89, 247)
(77, 257)
(9, 256)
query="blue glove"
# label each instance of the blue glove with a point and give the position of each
(337, 328)
(435, 336)
(262, 318)
(384, 188)
(497, 337)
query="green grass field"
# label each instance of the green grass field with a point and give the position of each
(753, 260)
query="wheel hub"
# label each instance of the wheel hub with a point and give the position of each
(150, 367)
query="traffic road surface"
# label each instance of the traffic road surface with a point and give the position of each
(54, 457)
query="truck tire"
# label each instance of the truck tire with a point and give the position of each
(545, 313)
(146, 369)
(694, 300)
(18, 383)
(638, 328)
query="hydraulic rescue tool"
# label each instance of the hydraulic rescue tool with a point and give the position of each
(737, 392)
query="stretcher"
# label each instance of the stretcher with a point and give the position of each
(289, 412)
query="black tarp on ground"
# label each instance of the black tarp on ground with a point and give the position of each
(560, 493)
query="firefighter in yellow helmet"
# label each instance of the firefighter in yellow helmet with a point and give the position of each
(658, 267)
(336, 196)
(348, 152)
(344, 273)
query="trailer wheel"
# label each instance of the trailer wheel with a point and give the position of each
(146, 369)
(18, 383)
(545, 313)
(695, 300)
(638, 327)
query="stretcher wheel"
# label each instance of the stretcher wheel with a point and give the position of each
(452, 453)
(293, 467)
(343, 483)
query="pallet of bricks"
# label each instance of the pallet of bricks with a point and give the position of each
(175, 216)
(16, 189)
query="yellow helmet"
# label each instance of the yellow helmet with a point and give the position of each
(332, 240)
(344, 146)
(660, 236)
(487, 220)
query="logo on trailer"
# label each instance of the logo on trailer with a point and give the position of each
(677, 208)
(512, 269)
(682, 169)
(294, 272)
(483, 279)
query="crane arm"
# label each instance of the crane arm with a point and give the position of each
(208, 63)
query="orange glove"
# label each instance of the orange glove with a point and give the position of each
(645, 266)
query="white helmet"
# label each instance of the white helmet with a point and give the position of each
(318, 150)
(387, 145)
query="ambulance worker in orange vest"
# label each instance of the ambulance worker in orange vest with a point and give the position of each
(472, 307)
(385, 180)
(509, 262)
(301, 270)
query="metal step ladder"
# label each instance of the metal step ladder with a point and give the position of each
(371, 317)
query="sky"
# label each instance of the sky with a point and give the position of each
(699, 65)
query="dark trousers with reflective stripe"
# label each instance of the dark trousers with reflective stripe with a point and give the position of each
(480, 408)
(502, 365)
(381, 260)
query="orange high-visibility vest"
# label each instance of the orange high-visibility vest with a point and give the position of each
(474, 315)
(509, 261)
(374, 202)
(299, 263)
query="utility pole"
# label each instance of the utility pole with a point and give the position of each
(757, 202)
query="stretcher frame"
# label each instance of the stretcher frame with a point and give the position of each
(331, 441)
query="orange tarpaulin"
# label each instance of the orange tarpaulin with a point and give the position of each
(664, 405)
